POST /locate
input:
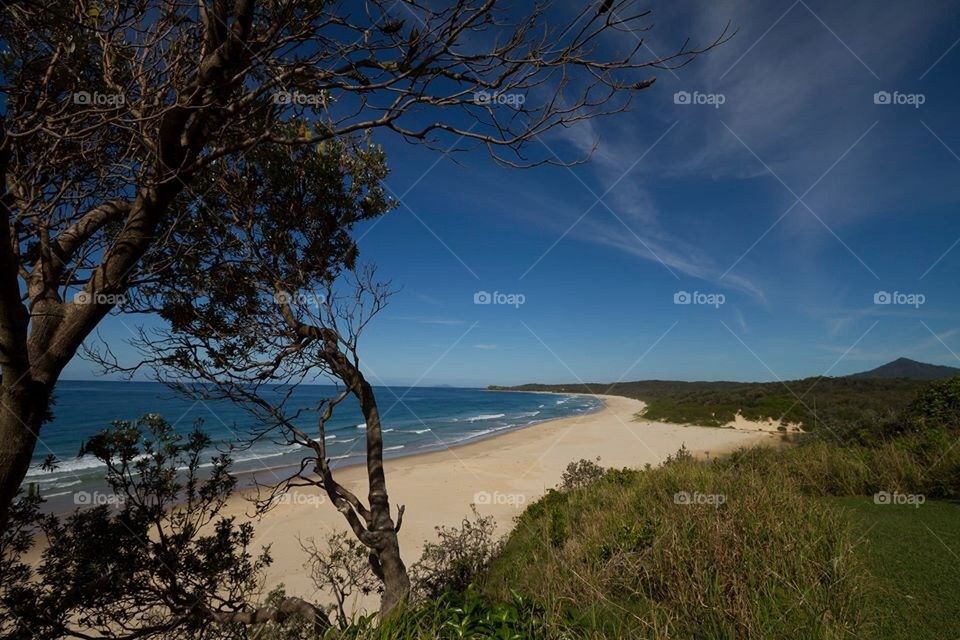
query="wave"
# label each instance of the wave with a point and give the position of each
(362, 425)
(528, 414)
(399, 446)
(255, 456)
(479, 434)
(486, 416)
(47, 496)
(417, 431)
(71, 466)
(330, 437)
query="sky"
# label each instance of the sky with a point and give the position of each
(797, 187)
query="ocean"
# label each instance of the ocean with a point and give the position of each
(415, 420)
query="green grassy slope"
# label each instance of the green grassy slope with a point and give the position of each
(625, 558)
(914, 555)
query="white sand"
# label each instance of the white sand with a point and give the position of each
(505, 472)
(743, 424)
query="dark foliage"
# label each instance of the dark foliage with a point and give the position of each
(157, 561)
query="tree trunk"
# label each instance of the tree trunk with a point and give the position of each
(23, 407)
(379, 533)
(392, 571)
(396, 582)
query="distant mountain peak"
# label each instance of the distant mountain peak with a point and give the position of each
(907, 368)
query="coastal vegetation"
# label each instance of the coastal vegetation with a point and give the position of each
(208, 165)
(820, 539)
(818, 403)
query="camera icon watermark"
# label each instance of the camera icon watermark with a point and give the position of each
(696, 98)
(298, 98)
(709, 299)
(86, 297)
(97, 499)
(495, 98)
(299, 299)
(296, 498)
(898, 298)
(909, 499)
(510, 299)
(711, 499)
(97, 99)
(896, 98)
(516, 500)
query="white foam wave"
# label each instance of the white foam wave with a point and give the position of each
(54, 495)
(73, 465)
(486, 416)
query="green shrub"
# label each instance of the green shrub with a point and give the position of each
(456, 559)
(937, 406)
(452, 615)
(580, 474)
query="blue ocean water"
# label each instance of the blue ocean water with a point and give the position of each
(415, 420)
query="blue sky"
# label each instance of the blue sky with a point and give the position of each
(796, 200)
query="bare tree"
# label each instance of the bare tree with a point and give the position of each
(340, 568)
(296, 336)
(114, 109)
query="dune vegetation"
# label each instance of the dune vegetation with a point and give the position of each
(830, 538)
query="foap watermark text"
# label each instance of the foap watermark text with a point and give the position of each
(498, 497)
(896, 98)
(686, 497)
(497, 297)
(696, 98)
(910, 499)
(899, 298)
(698, 297)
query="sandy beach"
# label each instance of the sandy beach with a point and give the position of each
(500, 475)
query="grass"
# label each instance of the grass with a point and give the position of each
(623, 557)
(914, 555)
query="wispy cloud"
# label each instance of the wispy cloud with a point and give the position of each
(628, 219)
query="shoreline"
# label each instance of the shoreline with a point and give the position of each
(437, 448)
(253, 472)
(500, 474)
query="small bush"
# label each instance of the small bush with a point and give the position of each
(457, 559)
(342, 569)
(580, 474)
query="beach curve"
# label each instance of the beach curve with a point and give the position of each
(501, 475)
